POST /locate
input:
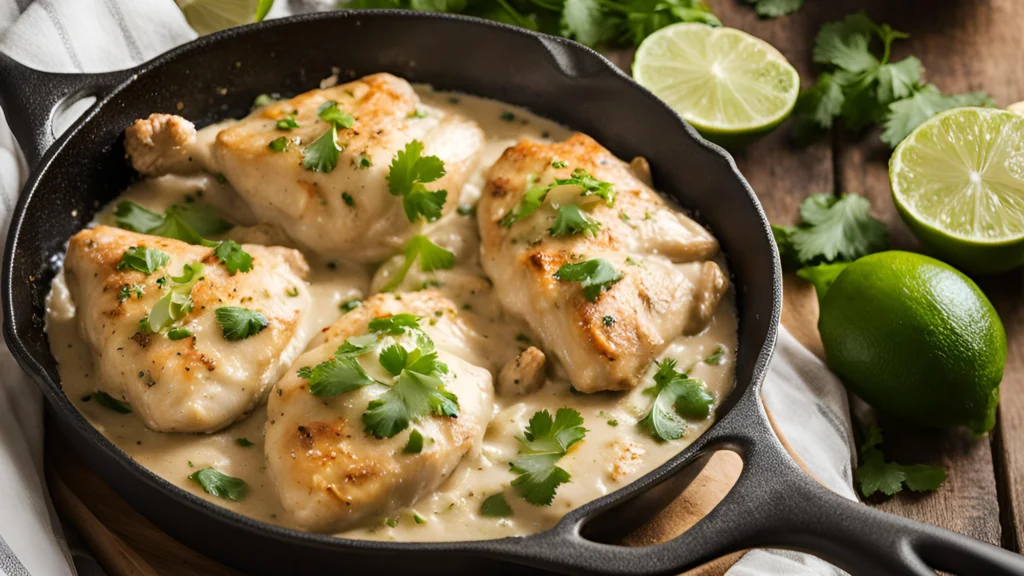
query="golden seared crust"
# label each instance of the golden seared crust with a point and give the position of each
(371, 224)
(199, 383)
(330, 474)
(608, 343)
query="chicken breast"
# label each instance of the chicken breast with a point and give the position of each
(345, 211)
(201, 381)
(340, 458)
(649, 268)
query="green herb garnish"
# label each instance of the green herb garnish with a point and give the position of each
(408, 173)
(142, 259)
(220, 485)
(322, 154)
(676, 397)
(111, 403)
(596, 276)
(545, 441)
(240, 323)
(431, 257)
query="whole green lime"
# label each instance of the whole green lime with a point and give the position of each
(914, 337)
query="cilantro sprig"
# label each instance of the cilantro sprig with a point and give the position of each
(831, 229)
(221, 485)
(190, 223)
(415, 388)
(676, 398)
(430, 256)
(535, 196)
(239, 323)
(322, 154)
(863, 87)
(408, 175)
(176, 303)
(142, 259)
(544, 442)
(590, 22)
(876, 475)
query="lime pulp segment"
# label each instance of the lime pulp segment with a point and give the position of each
(962, 172)
(720, 80)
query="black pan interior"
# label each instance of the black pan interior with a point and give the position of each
(218, 77)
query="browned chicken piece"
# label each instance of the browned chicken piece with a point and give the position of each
(330, 472)
(669, 284)
(162, 144)
(202, 381)
(345, 212)
(523, 375)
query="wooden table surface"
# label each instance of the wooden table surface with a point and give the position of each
(965, 45)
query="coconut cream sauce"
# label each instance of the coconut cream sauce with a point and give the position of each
(614, 453)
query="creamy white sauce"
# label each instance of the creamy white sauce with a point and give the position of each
(614, 453)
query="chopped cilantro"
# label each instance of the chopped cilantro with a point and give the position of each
(235, 259)
(408, 173)
(177, 302)
(347, 199)
(350, 305)
(417, 113)
(265, 99)
(595, 276)
(608, 321)
(526, 206)
(129, 290)
(570, 221)
(717, 358)
(287, 123)
(322, 154)
(292, 292)
(466, 209)
(415, 443)
(396, 324)
(278, 144)
(545, 441)
(364, 161)
(111, 403)
(508, 116)
(142, 259)
(220, 485)
(330, 113)
(240, 323)
(244, 442)
(178, 333)
(676, 397)
(431, 257)
(418, 519)
(556, 163)
(495, 506)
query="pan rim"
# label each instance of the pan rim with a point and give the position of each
(59, 401)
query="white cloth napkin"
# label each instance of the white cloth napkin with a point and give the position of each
(808, 403)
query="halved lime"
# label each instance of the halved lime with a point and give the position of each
(208, 16)
(958, 182)
(732, 87)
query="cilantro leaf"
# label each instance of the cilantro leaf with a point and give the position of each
(201, 218)
(899, 79)
(717, 358)
(545, 441)
(322, 154)
(395, 324)
(570, 221)
(134, 217)
(595, 276)
(817, 107)
(407, 174)
(775, 8)
(177, 303)
(874, 474)
(431, 257)
(287, 123)
(495, 506)
(838, 228)
(582, 21)
(676, 397)
(278, 144)
(926, 101)
(337, 376)
(234, 258)
(240, 323)
(590, 185)
(415, 443)
(220, 484)
(330, 113)
(846, 43)
(645, 17)
(178, 333)
(527, 205)
(142, 259)
(413, 396)
(244, 442)
(111, 403)
(822, 276)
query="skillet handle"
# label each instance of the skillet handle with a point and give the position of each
(774, 504)
(31, 99)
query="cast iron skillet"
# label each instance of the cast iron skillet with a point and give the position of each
(773, 504)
